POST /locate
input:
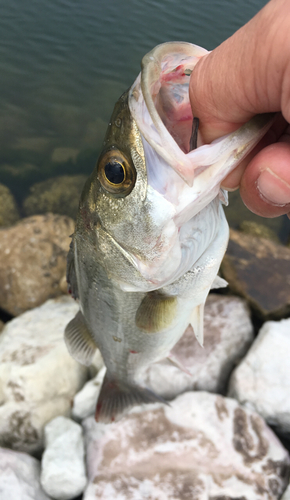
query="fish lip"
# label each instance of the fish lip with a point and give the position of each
(153, 67)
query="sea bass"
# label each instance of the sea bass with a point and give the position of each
(150, 232)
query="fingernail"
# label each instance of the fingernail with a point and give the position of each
(273, 189)
(230, 189)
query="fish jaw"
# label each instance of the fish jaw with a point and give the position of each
(167, 127)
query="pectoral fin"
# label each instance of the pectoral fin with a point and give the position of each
(156, 312)
(218, 283)
(196, 321)
(79, 341)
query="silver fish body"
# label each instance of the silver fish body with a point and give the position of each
(151, 231)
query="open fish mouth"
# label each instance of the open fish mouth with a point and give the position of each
(159, 103)
(160, 95)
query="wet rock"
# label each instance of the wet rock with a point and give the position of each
(202, 446)
(62, 155)
(19, 477)
(262, 380)
(95, 132)
(8, 209)
(259, 230)
(259, 270)
(38, 144)
(228, 333)
(84, 403)
(32, 261)
(38, 378)
(59, 195)
(286, 495)
(63, 285)
(63, 474)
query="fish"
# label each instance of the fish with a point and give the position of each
(150, 232)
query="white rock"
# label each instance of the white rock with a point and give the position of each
(203, 446)
(38, 378)
(228, 333)
(63, 474)
(85, 401)
(19, 477)
(262, 380)
(286, 495)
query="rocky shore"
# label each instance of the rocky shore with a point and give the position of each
(224, 434)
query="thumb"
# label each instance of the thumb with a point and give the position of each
(244, 75)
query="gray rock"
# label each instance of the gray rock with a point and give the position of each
(228, 333)
(262, 380)
(19, 477)
(62, 155)
(8, 209)
(286, 495)
(59, 195)
(249, 263)
(202, 446)
(37, 144)
(33, 261)
(38, 378)
(63, 474)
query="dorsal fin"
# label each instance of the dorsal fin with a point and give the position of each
(79, 341)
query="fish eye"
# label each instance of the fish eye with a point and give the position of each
(117, 175)
(115, 172)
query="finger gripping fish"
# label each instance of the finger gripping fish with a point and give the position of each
(150, 232)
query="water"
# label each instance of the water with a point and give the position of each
(64, 63)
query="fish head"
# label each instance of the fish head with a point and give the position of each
(124, 220)
(148, 204)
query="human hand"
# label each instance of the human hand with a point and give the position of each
(249, 74)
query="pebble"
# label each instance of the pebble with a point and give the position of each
(63, 474)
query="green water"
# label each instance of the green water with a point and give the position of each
(64, 63)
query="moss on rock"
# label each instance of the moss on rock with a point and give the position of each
(8, 208)
(58, 195)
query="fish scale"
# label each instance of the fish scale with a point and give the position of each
(150, 232)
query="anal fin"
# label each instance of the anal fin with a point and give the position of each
(79, 341)
(175, 361)
(196, 321)
(117, 396)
